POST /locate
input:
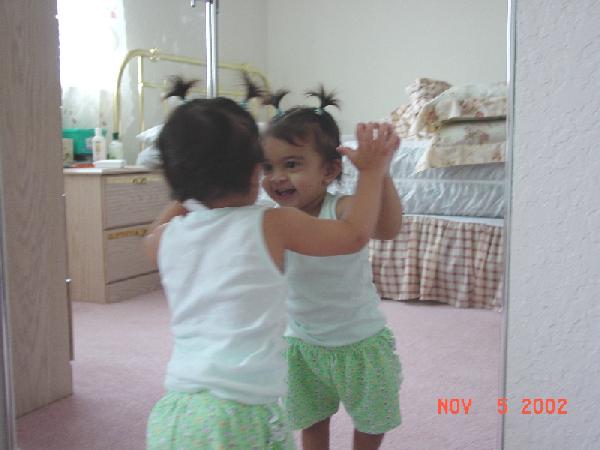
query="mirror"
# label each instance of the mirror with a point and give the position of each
(369, 53)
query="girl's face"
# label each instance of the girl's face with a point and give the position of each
(297, 175)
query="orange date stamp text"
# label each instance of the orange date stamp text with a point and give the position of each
(528, 406)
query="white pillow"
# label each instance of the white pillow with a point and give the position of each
(149, 136)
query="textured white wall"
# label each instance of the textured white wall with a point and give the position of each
(554, 306)
(369, 51)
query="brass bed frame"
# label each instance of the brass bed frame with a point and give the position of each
(154, 55)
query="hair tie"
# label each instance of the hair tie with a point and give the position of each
(319, 111)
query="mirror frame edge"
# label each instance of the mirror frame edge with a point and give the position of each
(508, 188)
(7, 405)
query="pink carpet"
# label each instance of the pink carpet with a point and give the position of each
(121, 350)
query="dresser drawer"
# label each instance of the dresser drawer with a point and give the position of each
(124, 257)
(133, 199)
(122, 290)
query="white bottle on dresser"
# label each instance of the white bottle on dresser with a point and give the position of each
(115, 148)
(98, 146)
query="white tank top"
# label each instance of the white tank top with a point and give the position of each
(332, 301)
(227, 302)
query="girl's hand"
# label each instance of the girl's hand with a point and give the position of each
(376, 145)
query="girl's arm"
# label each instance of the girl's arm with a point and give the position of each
(151, 243)
(152, 239)
(302, 233)
(173, 209)
(389, 220)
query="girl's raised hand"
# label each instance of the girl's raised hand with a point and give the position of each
(376, 145)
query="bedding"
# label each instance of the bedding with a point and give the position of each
(462, 103)
(476, 190)
(454, 260)
(465, 143)
(424, 90)
(402, 118)
(420, 93)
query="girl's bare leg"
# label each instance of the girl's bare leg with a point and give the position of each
(364, 441)
(316, 437)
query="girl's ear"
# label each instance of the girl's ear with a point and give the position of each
(332, 169)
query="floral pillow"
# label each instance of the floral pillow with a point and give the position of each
(420, 93)
(461, 103)
(401, 118)
(466, 143)
(424, 90)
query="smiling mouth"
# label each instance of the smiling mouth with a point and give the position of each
(284, 192)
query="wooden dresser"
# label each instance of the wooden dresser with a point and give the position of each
(108, 212)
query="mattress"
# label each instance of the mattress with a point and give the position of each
(494, 222)
(475, 190)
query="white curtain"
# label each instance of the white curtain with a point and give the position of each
(92, 45)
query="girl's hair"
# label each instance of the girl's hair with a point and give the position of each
(303, 124)
(274, 99)
(253, 90)
(209, 147)
(179, 87)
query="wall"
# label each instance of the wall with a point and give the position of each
(370, 51)
(175, 27)
(554, 313)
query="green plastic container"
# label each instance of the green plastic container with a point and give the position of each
(82, 140)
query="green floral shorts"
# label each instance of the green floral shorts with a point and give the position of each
(203, 421)
(364, 376)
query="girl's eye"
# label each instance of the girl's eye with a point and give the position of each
(267, 168)
(291, 164)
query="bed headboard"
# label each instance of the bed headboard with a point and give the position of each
(144, 81)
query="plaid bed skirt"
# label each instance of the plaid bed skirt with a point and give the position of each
(458, 263)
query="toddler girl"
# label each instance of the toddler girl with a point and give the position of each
(221, 262)
(339, 347)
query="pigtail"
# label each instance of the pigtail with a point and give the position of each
(325, 99)
(274, 99)
(252, 89)
(179, 87)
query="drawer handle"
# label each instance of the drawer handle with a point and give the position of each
(128, 179)
(139, 180)
(141, 232)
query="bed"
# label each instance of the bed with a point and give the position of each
(455, 260)
(451, 245)
(449, 172)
